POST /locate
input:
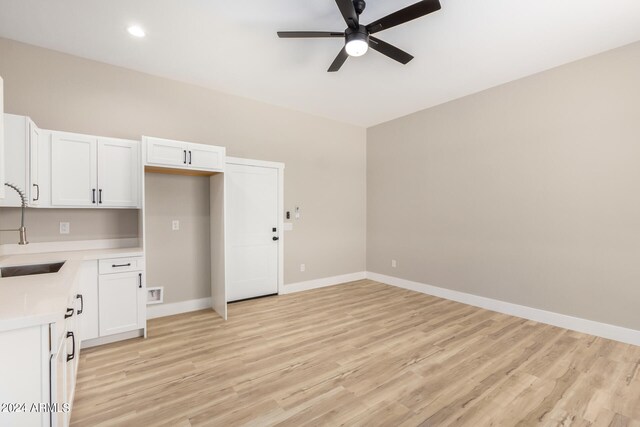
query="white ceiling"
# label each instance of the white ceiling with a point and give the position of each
(231, 46)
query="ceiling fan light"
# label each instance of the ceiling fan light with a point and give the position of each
(357, 41)
(357, 47)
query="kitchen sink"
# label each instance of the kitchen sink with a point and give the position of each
(30, 270)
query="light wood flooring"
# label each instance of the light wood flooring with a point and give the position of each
(361, 354)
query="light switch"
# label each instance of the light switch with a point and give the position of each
(64, 228)
(175, 225)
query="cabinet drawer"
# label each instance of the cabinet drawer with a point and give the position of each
(120, 265)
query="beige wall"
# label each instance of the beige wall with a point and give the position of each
(527, 193)
(43, 225)
(178, 260)
(325, 160)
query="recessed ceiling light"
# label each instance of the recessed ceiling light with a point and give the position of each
(136, 31)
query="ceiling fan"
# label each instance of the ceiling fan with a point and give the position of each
(358, 37)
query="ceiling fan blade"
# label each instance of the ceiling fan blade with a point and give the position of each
(337, 63)
(307, 34)
(348, 13)
(389, 50)
(407, 14)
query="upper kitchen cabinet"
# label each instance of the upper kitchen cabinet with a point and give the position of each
(20, 135)
(89, 171)
(118, 173)
(170, 154)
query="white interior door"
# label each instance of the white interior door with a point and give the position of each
(73, 170)
(118, 173)
(252, 234)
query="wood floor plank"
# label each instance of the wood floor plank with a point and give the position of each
(361, 354)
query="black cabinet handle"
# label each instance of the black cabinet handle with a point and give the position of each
(189, 156)
(120, 265)
(140, 280)
(37, 192)
(185, 156)
(79, 296)
(73, 348)
(276, 238)
(93, 195)
(69, 313)
(100, 196)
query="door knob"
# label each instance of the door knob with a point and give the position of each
(276, 238)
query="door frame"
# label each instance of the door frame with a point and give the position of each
(280, 168)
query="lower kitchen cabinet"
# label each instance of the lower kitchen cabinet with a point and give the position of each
(89, 326)
(38, 367)
(119, 302)
(112, 298)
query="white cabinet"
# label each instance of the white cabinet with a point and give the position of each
(74, 170)
(183, 155)
(164, 152)
(88, 171)
(118, 173)
(121, 296)
(16, 158)
(35, 185)
(24, 374)
(38, 366)
(88, 310)
(206, 157)
(59, 383)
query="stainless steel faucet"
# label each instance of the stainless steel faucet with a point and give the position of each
(22, 230)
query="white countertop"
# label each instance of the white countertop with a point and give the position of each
(40, 299)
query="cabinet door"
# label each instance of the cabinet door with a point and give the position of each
(16, 158)
(118, 173)
(73, 347)
(118, 303)
(164, 152)
(88, 313)
(58, 377)
(34, 164)
(205, 157)
(73, 170)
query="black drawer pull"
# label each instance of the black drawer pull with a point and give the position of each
(73, 348)
(79, 296)
(120, 265)
(69, 313)
(140, 280)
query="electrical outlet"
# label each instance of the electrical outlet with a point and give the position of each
(394, 263)
(64, 228)
(303, 267)
(175, 225)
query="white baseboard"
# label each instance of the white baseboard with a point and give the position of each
(112, 338)
(162, 310)
(321, 283)
(604, 330)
